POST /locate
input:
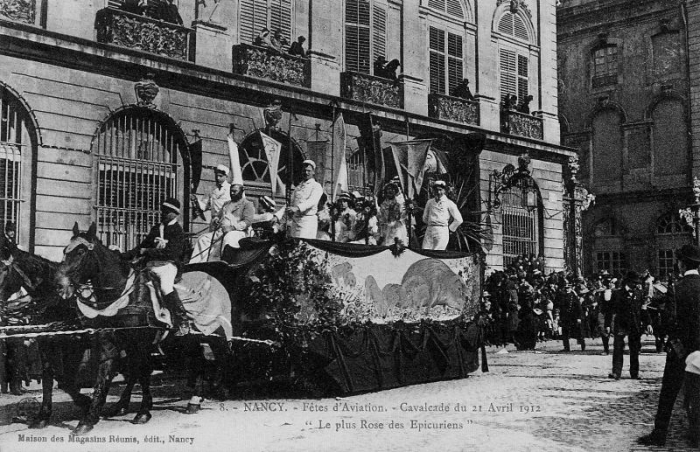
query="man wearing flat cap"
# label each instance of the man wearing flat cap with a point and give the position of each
(302, 221)
(438, 212)
(163, 249)
(683, 338)
(628, 319)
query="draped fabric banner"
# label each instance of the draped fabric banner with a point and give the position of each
(340, 170)
(236, 173)
(370, 141)
(411, 156)
(195, 150)
(273, 148)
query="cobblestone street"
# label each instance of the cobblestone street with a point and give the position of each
(529, 401)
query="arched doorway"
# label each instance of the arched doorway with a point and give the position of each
(256, 169)
(139, 162)
(18, 144)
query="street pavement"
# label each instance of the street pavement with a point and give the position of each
(542, 400)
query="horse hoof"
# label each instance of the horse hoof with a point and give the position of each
(82, 429)
(41, 423)
(116, 411)
(141, 418)
(193, 408)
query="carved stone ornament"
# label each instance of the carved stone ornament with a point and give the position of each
(19, 10)
(266, 63)
(273, 114)
(453, 108)
(371, 89)
(146, 90)
(524, 163)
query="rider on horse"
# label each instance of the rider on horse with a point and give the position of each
(163, 249)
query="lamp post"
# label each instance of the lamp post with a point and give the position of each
(691, 214)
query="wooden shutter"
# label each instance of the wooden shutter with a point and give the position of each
(378, 32)
(437, 60)
(281, 17)
(357, 36)
(505, 26)
(454, 8)
(519, 29)
(437, 4)
(253, 19)
(507, 72)
(522, 78)
(455, 59)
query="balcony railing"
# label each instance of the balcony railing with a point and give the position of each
(370, 89)
(456, 109)
(270, 64)
(522, 124)
(19, 10)
(143, 33)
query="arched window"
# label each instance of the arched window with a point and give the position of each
(271, 14)
(365, 34)
(138, 165)
(671, 234)
(256, 170)
(517, 62)
(522, 226)
(607, 147)
(670, 138)
(17, 148)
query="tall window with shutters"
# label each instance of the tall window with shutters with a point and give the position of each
(258, 14)
(514, 61)
(365, 34)
(446, 61)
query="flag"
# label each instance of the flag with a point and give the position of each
(340, 165)
(236, 173)
(273, 148)
(409, 158)
(436, 162)
(195, 150)
(370, 141)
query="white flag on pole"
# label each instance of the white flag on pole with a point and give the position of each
(273, 148)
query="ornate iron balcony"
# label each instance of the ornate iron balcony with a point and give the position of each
(522, 124)
(456, 109)
(370, 89)
(143, 33)
(19, 10)
(270, 64)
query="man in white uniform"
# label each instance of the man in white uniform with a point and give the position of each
(219, 196)
(302, 221)
(437, 214)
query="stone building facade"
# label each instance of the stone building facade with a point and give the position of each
(104, 109)
(627, 96)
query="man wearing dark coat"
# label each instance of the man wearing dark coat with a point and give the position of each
(683, 338)
(627, 319)
(570, 315)
(163, 249)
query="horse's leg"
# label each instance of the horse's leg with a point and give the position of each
(195, 367)
(47, 373)
(143, 358)
(108, 353)
(122, 406)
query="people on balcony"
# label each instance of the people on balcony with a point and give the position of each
(462, 90)
(297, 48)
(263, 39)
(164, 10)
(510, 102)
(379, 64)
(524, 107)
(134, 6)
(388, 70)
(277, 41)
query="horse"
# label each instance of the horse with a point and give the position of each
(99, 280)
(36, 275)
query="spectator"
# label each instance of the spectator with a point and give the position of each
(462, 90)
(525, 105)
(263, 38)
(389, 70)
(297, 48)
(379, 64)
(276, 40)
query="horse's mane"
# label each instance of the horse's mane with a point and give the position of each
(31, 264)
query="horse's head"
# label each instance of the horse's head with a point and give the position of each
(80, 261)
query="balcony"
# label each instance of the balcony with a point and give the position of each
(19, 10)
(373, 90)
(521, 124)
(270, 64)
(143, 33)
(441, 106)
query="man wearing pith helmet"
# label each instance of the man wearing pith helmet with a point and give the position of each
(302, 221)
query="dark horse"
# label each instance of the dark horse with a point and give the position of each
(94, 274)
(61, 356)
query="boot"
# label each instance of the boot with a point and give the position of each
(177, 313)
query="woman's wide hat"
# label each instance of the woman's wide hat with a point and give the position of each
(689, 253)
